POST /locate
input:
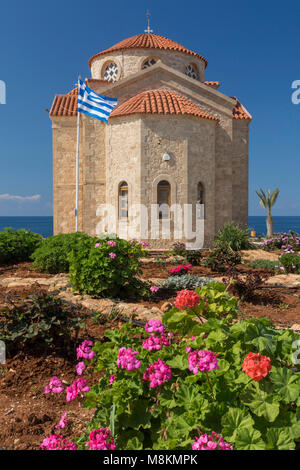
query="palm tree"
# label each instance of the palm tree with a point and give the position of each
(267, 201)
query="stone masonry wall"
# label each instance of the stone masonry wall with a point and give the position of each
(130, 62)
(240, 171)
(64, 175)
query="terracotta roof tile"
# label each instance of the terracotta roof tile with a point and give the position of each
(148, 41)
(239, 111)
(65, 105)
(153, 102)
(212, 84)
(160, 102)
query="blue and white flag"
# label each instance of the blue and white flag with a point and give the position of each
(94, 105)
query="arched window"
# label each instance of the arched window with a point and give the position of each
(163, 199)
(191, 71)
(123, 200)
(111, 72)
(148, 63)
(200, 201)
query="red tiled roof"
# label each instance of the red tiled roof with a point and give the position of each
(212, 84)
(65, 105)
(240, 112)
(148, 41)
(153, 102)
(160, 102)
(73, 92)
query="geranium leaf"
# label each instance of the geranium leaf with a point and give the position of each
(234, 421)
(286, 383)
(279, 439)
(249, 439)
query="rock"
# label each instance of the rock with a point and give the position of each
(295, 326)
(166, 307)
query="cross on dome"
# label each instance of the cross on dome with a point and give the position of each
(148, 30)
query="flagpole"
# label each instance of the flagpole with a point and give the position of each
(77, 165)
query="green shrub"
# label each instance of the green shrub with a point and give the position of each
(52, 255)
(264, 264)
(39, 319)
(193, 257)
(249, 415)
(17, 245)
(103, 270)
(178, 249)
(185, 281)
(222, 258)
(235, 236)
(282, 241)
(290, 263)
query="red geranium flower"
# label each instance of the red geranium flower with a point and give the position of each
(186, 298)
(256, 366)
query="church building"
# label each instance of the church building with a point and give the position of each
(174, 140)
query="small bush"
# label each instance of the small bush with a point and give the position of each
(40, 319)
(108, 268)
(186, 281)
(17, 245)
(222, 258)
(234, 236)
(194, 257)
(52, 255)
(245, 287)
(178, 249)
(264, 264)
(283, 241)
(290, 262)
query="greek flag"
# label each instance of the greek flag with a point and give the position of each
(94, 105)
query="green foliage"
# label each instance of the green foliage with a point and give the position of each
(290, 262)
(264, 264)
(249, 415)
(185, 281)
(222, 258)
(17, 245)
(193, 257)
(52, 255)
(94, 272)
(267, 200)
(214, 302)
(39, 320)
(234, 236)
(178, 249)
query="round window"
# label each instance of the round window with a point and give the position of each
(111, 72)
(191, 71)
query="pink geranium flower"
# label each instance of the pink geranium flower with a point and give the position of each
(63, 421)
(80, 367)
(55, 386)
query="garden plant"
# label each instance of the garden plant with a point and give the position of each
(17, 245)
(182, 384)
(234, 236)
(52, 255)
(108, 268)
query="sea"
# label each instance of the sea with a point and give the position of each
(44, 225)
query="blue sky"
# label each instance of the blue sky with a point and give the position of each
(252, 47)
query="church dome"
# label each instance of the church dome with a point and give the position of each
(148, 41)
(162, 102)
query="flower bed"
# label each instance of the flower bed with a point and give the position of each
(214, 385)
